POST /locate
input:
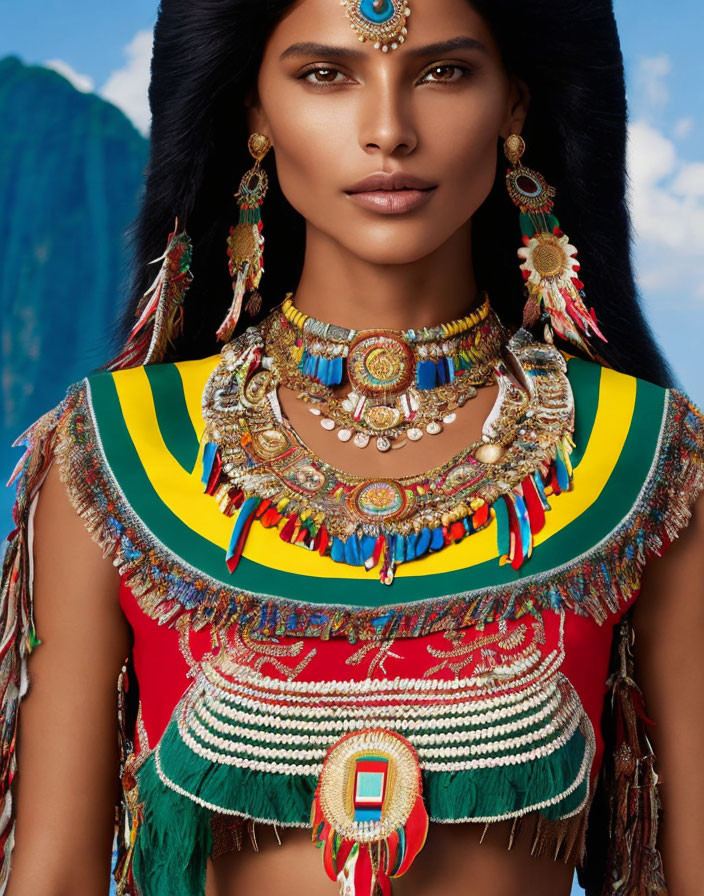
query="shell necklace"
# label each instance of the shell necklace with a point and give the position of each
(257, 466)
(402, 383)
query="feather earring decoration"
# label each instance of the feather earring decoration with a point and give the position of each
(555, 294)
(245, 244)
(160, 312)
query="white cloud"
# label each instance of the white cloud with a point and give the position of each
(651, 78)
(666, 191)
(690, 180)
(84, 83)
(127, 87)
(667, 204)
(683, 128)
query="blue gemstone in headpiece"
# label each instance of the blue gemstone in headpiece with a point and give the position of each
(376, 11)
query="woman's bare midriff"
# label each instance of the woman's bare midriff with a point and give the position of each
(452, 863)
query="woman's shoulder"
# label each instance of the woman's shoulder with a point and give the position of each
(621, 411)
(146, 389)
(93, 431)
(639, 453)
(103, 405)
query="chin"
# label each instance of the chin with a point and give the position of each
(394, 240)
(392, 250)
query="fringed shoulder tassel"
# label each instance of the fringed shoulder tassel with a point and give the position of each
(128, 814)
(622, 853)
(19, 636)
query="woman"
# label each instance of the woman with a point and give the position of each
(421, 690)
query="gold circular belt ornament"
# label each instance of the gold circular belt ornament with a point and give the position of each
(369, 784)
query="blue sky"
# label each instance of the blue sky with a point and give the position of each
(106, 48)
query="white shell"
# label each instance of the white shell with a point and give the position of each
(327, 423)
(383, 444)
(315, 411)
(433, 428)
(489, 453)
(361, 439)
(449, 418)
(344, 435)
(415, 434)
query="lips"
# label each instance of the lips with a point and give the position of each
(388, 181)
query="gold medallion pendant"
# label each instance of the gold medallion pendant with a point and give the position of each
(402, 384)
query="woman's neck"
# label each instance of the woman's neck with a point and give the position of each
(341, 288)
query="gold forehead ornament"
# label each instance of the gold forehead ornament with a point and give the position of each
(380, 21)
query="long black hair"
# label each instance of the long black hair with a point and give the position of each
(206, 56)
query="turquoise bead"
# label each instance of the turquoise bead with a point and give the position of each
(209, 453)
(437, 539)
(423, 542)
(367, 545)
(337, 550)
(411, 542)
(352, 552)
(378, 16)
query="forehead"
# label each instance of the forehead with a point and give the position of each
(430, 21)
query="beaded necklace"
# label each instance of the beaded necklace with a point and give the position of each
(255, 464)
(403, 383)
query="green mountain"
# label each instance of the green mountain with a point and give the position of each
(71, 171)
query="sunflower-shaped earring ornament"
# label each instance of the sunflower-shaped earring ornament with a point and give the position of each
(555, 294)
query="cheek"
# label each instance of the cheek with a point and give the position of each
(473, 171)
(465, 147)
(315, 146)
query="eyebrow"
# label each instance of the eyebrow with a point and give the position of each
(309, 48)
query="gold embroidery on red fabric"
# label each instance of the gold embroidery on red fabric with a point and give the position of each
(488, 663)
(376, 652)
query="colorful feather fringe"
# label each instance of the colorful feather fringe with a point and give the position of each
(245, 250)
(556, 296)
(520, 515)
(160, 313)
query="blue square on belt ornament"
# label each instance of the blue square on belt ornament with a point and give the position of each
(369, 788)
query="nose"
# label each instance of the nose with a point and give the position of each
(386, 118)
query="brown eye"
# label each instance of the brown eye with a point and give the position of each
(328, 75)
(444, 70)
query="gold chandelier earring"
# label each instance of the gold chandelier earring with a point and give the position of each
(245, 244)
(555, 294)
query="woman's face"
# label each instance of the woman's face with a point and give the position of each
(340, 111)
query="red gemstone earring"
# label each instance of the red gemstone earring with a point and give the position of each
(555, 294)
